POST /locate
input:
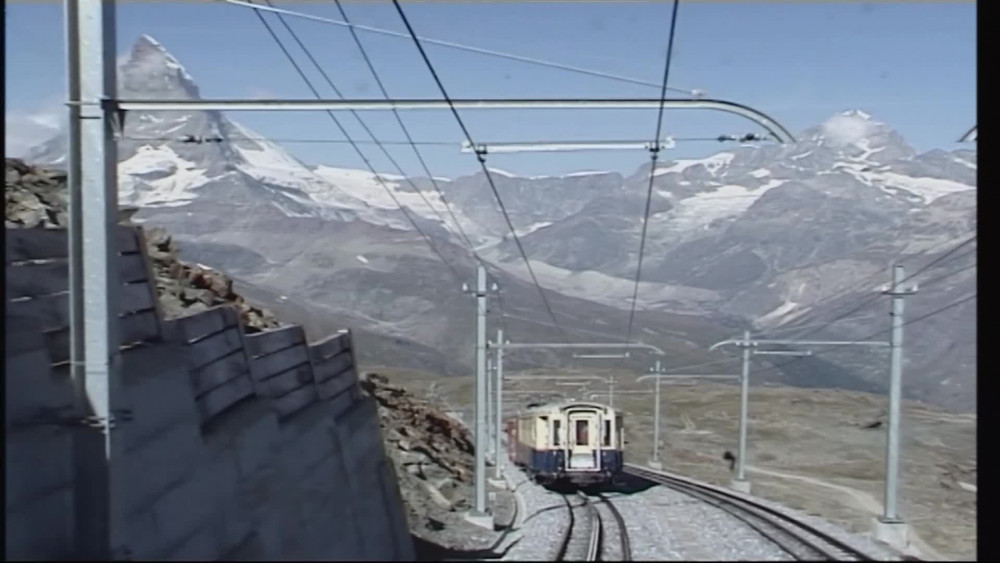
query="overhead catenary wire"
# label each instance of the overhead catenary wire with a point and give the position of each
(385, 151)
(357, 149)
(480, 158)
(866, 302)
(406, 132)
(654, 152)
(462, 47)
(451, 144)
(835, 347)
(927, 283)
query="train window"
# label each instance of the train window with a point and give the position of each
(556, 427)
(607, 434)
(582, 426)
(621, 431)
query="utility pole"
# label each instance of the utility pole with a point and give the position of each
(740, 482)
(497, 465)
(97, 253)
(655, 462)
(657, 373)
(489, 404)
(478, 514)
(890, 527)
(611, 391)
(88, 512)
(749, 348)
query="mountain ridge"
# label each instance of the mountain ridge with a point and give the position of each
(770, 234)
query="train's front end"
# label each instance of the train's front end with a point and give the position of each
(592, 440)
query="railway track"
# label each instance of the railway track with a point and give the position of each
(800, 540)
(588, 529)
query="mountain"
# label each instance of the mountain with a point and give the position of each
(772, 236)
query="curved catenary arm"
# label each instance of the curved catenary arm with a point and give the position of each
(773, 127)
(729, 342)
(971, 136)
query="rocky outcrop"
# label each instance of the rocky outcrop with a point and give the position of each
(37, 198)
(185, 289)
(432, 453)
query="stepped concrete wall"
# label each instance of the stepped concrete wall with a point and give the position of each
(229, 446)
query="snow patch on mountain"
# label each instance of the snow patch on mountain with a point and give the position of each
(927, 188)
(713, 164)
(700, 210)
(503, 173)
(614, 291)
(372, 188)
(158, 177)
(966, 163)
(777, 315)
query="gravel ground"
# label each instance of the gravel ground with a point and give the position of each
(611, 550)
(664, 524)
(543, 523)
(861, 542)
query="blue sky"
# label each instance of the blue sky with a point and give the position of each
(910, 65)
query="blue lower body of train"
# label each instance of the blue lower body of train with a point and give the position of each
(550, 466)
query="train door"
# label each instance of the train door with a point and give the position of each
(583, 434)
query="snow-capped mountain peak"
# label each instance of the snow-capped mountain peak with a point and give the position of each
(152, 72)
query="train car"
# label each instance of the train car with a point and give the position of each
(580, 443)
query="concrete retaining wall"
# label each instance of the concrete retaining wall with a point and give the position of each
(237, 446)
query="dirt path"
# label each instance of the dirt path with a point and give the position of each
(861, 500)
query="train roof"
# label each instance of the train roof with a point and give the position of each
(561, 405)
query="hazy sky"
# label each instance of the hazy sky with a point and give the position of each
(910, 65)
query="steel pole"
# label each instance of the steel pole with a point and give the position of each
(895, 387)
(656, 413)
(489, 404)
(98, 214)
(611, 391)
(744, 394)
(75, 204)
(479, 507)
(89, 524)
(498, 446)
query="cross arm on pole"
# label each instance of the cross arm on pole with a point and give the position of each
(777, 130)
(755, 343)
(686, 376)
(581, 346)
(555, 377)
(565, 146)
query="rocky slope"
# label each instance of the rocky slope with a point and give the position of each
(433, 455)
(37, 198)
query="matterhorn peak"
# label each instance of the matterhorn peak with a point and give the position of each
(857, 113)
(152, 72)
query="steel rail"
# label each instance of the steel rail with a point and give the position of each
(740, 506)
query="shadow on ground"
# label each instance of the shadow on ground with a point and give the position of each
(427, 550)
(624, 484)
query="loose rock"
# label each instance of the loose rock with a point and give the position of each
(38, 198)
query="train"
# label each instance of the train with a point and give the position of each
(568, 442)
